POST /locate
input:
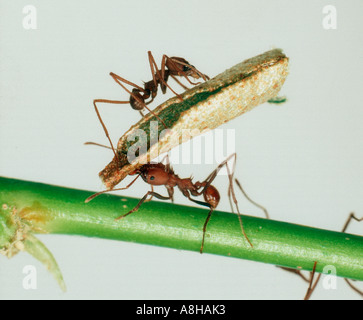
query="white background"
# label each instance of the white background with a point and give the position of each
(302, 159)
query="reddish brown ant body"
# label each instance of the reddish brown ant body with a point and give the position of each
(159, 174)
(170, 67)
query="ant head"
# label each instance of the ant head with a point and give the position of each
(191, 71)
(183, 67)
(154, 174)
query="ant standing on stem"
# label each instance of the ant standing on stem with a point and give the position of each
(159, 174)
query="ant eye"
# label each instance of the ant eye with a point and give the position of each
(156, 177)
(186, 68)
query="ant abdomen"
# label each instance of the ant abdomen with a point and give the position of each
(211, 196)
(135, 100)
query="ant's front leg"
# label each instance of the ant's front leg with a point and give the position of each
(101, 121)
(150, 193)
(205, 229)
(207, 219)
(152, 190)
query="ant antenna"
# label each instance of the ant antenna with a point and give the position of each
(97, 144)
(104, 191)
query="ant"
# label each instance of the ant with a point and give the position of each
(173, 67)
(170, 67)
(160, 174)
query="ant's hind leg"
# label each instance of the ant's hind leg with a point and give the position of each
(250, 200)
(161, 75)
(232, 195)
(119, 80)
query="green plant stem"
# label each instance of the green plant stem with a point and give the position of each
(29, 208)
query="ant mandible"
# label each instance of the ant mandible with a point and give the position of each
(170, 67)
(159, 174)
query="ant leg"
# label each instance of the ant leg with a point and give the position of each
(152, 190)
(177, 81)
(250, 200)
(100, 118)
(231, 193)
(297, 272)
(150, 193)
(354, 287)
(171, 193)
(349, 220)
(160, 75)
(118, 189)
(312, 285)
(206, 221)
(205, 229)
(119, 80)
(154, 68)
(206, 184)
